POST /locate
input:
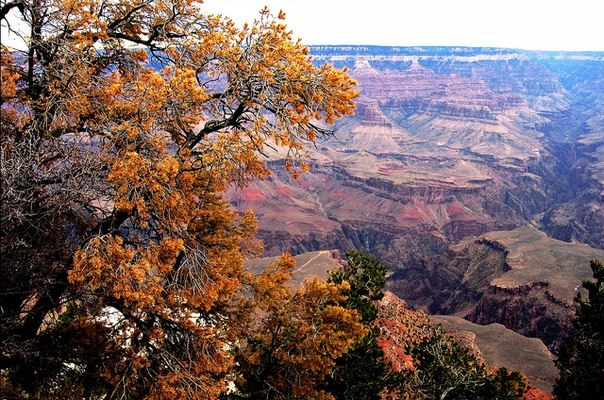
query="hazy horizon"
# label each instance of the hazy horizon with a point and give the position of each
(516, 24)
(554, 25)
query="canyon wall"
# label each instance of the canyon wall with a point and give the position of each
(447, 144)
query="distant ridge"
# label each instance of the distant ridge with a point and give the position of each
(439, 51)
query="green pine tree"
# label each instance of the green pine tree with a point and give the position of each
(444, 369)
(581, 357)
(363, 372)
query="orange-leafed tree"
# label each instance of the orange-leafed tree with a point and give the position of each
(122, 123)
(293, 338)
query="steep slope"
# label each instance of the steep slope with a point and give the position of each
(521, 279)
(449, 143)
(502, 347)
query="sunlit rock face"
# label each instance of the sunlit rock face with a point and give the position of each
(446, 143)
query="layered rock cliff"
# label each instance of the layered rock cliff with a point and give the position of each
(449, 143)
(521, 279)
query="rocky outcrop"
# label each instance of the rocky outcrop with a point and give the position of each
(400, 327)
(454, 280)
(493, 344)
(527, 310)
(502, 347)
(521, 279)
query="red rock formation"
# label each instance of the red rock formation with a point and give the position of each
(536, 394)
(400, 327)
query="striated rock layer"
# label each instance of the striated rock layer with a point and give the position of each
(449, 143)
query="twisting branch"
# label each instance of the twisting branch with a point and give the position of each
(217, 125)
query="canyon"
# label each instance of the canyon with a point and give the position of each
(446, 144)
(475, 174)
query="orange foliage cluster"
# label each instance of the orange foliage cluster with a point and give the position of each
(133, 118)
(302, 333)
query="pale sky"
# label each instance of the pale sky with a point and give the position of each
(523, 24)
